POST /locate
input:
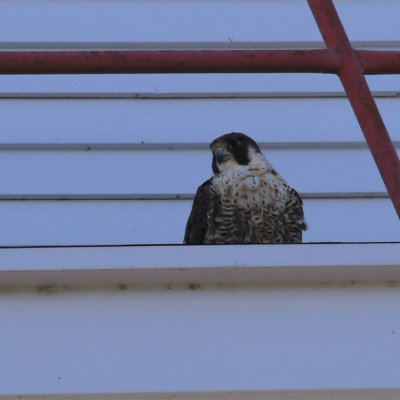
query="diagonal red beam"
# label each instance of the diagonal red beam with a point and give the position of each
(352, 76)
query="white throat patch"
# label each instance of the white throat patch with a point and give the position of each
(231, 163)
(251, 185)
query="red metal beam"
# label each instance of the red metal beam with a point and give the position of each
(379, 62)
(191, 61)
(171, 61)
(352, 76)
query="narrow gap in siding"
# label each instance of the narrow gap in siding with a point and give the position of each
(178, 245)
(179, 146)
(186, 95)
(171, 196)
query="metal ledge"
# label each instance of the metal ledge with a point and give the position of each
(328, 394)
(192, 266)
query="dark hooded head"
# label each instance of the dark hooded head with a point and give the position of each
(231, 150)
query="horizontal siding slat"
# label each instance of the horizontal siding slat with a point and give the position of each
(178, 146)
(156, 21)
(176, 196)
(174, 21)
(188, 95)
(176, 171)
(198, 120)
(158, 84)
(140, 222)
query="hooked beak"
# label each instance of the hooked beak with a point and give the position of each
(221, 155)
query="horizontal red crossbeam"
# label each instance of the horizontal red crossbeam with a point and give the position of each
(192, 61)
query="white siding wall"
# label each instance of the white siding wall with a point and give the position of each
(116, 159)
(148, 134)
(278, 322)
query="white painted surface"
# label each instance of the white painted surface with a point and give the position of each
(176, 171)
(305, 340)
(163, 221)
(200, 340)
(175, 21)
(167, 266)
(330, 394)
(185, 120)
(156, 21)
(184, 83)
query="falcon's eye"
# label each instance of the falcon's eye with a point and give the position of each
(234, 144)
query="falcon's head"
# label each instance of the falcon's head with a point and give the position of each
(231, 150)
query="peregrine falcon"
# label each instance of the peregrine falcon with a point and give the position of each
(245, 201)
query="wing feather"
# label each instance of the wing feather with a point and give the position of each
(197, 224)
(295, 217)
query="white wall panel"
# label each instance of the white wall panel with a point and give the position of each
(370, 19)
(156, 84)
(163, 221)
(173, 266)
(199, 340)
(176, 171)
(156, 21)
(175, 21)
(200, 120)
(171, 83)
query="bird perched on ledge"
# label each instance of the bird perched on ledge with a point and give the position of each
(245, 201)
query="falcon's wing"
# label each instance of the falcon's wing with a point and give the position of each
(295, 216)
(197, 224)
